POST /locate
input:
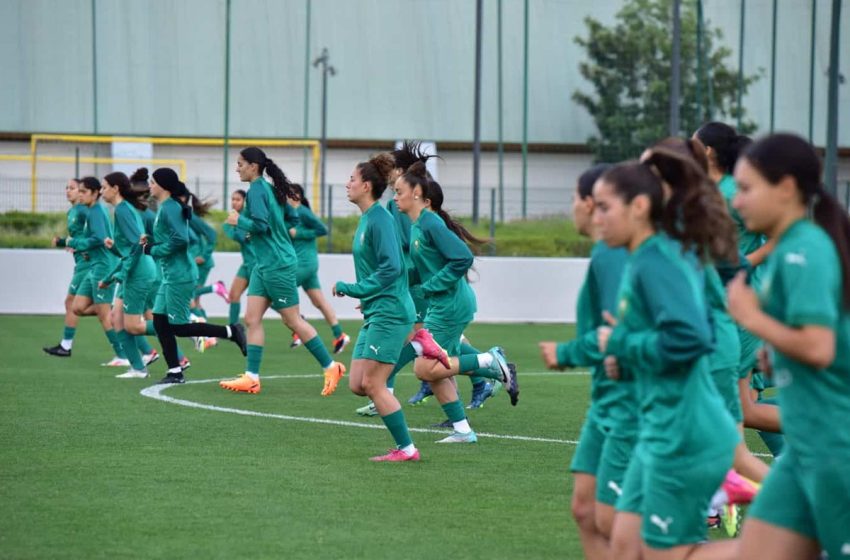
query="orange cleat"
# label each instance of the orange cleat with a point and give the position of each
(242, 384)
(332, 376)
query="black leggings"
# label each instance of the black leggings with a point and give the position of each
(166, 333)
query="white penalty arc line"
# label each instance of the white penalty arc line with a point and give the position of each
(155, 392)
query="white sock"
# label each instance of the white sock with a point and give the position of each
(719, 499)
(462, 426)
(254, 376)
(391, 390)
(229, 332)
(417, 347)
(409, 449)
(713, 512)
(484, 360)
(175, 370)
(66, 344)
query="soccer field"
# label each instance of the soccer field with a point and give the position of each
(90, 467)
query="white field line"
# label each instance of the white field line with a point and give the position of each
(155, 392)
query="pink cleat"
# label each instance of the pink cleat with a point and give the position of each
(220, 289)
(430, 348)
(396, 455)
(739, 490)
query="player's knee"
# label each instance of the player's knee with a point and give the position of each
(583, 511)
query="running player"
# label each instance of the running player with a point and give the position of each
(304, 231)
(76, 219)
(388, 312)
(170, 245)
(243, 238)
(662, 338)
(273, 280)
(800, 309)
(101, 261)
(610, 427)
(135, 271)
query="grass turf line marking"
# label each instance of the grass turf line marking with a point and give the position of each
(155, 392)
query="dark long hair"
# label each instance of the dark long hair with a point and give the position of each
(136, 197)
(587, 179)
(417, 176)
(727, 144)
(409, 153)
(281, 185)
(779, 156)
(694, 214)
(297, 193)
(690, 147)
(90, 184)
(377, 171)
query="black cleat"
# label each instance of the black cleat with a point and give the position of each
(237, 335)
(513, 385)
(172, 378)
(57, 351)
(444, 424)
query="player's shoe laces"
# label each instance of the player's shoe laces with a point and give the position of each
(738, 489)
(57, 351)
(173, 378)
(341, 342)
(296, 341)
(221, 290)
(368, 410)
(396, 455)
(422, 396)
(242, 384)
(148, 359)
(332, 376)
(509, 376)
(459, 437)
(117, 362)
(430, 348)
(480, 393)
(133, 374)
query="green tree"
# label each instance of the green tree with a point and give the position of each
(629, 67)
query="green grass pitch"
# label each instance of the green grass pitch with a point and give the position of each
(91, 468)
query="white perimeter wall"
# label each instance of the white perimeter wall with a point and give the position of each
(508, 289)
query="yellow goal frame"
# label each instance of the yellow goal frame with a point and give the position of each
(314, 145)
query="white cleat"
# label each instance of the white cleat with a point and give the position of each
(459, 437)
(117, 362)
(133, 374)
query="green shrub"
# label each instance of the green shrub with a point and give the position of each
(543, 237)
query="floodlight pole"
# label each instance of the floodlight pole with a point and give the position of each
(225, 155)
(324, 61)
(476, 142)
(676, 76)
(831, 165)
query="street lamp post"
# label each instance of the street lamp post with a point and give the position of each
(324, 61)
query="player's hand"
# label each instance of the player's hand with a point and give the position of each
(743, 303)
(199, 260)
(612, 368)
(292, 233)
(549, 354)
(232, 218)
(108, 242)
(765, 360)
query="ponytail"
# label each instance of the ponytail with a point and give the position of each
(695, 213)
(377, 172)
(417, 176)
(779, 156)
(727, 144)
(409, 153)
(281, 186)
(136, 197)
(90, 184)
